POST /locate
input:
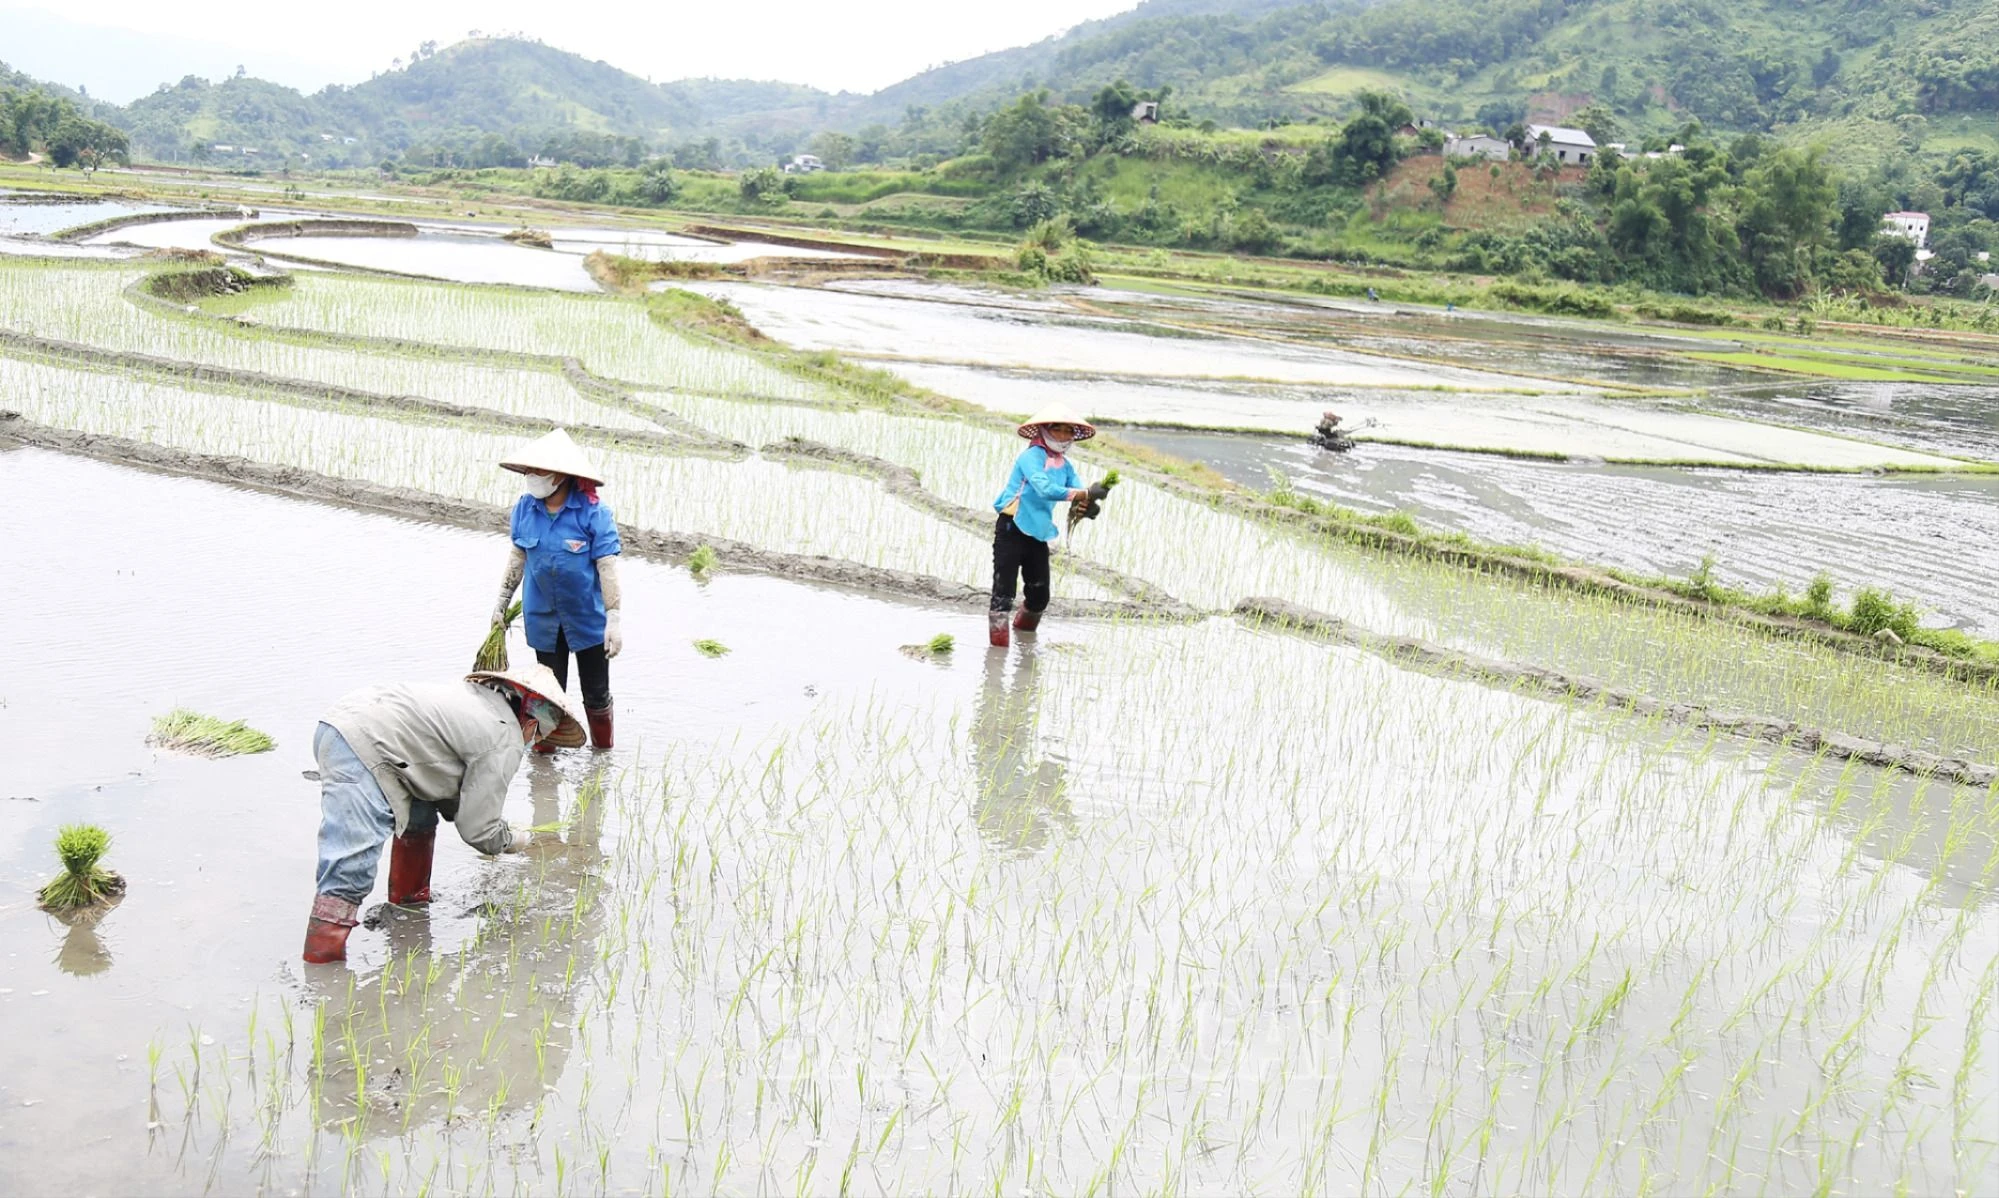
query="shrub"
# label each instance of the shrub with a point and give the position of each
(1875, 609)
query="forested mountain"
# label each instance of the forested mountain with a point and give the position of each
(1871, 76)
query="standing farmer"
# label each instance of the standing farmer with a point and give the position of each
(566, 546)
(392, 759)
(1041, 478)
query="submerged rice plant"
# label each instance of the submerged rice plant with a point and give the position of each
(710, 648)
(82, 881)
(206, 736)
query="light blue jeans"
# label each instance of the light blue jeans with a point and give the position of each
(355, 819)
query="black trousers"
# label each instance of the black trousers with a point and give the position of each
(593, 669)
(1016, 553)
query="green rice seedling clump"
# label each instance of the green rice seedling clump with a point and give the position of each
(943, 642)
(83, 881)
(205, 736)
(708, 648)
(493, 650)
(702, 561)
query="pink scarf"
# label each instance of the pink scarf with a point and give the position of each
(1055, 460)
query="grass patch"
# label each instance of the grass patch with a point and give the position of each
(1829, 367)
(188, 731)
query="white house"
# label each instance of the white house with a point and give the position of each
(1913, 225)
(1146, 112)
(538, 160)
(803, 164)
(1478, 145)
(1571, 147)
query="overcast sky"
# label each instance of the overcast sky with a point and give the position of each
(121, 49)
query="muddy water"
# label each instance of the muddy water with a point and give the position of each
(26, 212)
(1918, 536)
(458, 258)
(1958, 420)
(1016, 359)
(1004, 335)
(831, 912)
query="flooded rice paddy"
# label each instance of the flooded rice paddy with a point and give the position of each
(1021, 921)
(1919, 535)
(1014, 358)
(1170, 902)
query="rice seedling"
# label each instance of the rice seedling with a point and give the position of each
(701, 562)
(492, 653)
(936, 648)
(710, 648)
(185, 731)
(82, 882)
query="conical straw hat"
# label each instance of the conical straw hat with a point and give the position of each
(554, 454)
(1058, 413)
(538, 680)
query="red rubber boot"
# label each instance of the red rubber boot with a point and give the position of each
(326, 931)
(409, 867)
(996, 629)
(1026, 621)
(600, 725)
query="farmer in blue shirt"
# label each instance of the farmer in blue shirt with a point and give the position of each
(566, 547)
(1041, 478)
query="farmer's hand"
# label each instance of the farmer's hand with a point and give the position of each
(614, 640)
(1079, 496)
(500, 613)
(517, 838)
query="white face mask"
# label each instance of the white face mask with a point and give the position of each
(541, 486)
(1058, 447)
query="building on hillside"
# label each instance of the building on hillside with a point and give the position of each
(803, 164)
(1146, 112)
(538, 160)
(1913, 225)
(1478, 145)
(1571, 147)
(220, 148)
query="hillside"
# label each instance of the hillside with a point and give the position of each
(1871, 77)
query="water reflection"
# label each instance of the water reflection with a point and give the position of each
(1937, 831)
(483, 1030)
(83, 952)
(1022, 795)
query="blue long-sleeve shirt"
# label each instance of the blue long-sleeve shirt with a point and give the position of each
(1039, 488)
(562, 592)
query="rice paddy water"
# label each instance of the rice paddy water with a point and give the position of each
(1176, 902)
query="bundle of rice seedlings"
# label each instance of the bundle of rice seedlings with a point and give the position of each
(1099, 492)
(936, 647)
(493, 650)
(206, 736)
(701, 561)
(82, 882)
(708, 648)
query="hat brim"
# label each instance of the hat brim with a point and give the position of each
(1084, 429)
(568, 734)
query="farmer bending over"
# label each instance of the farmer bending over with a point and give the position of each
(1041, 478)
(394, 758)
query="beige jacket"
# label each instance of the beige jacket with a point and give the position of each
(455, 744)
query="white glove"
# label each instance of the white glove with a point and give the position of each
(500, 612)
(614, 640)
(517, 838)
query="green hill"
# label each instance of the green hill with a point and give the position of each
(1873, 78)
